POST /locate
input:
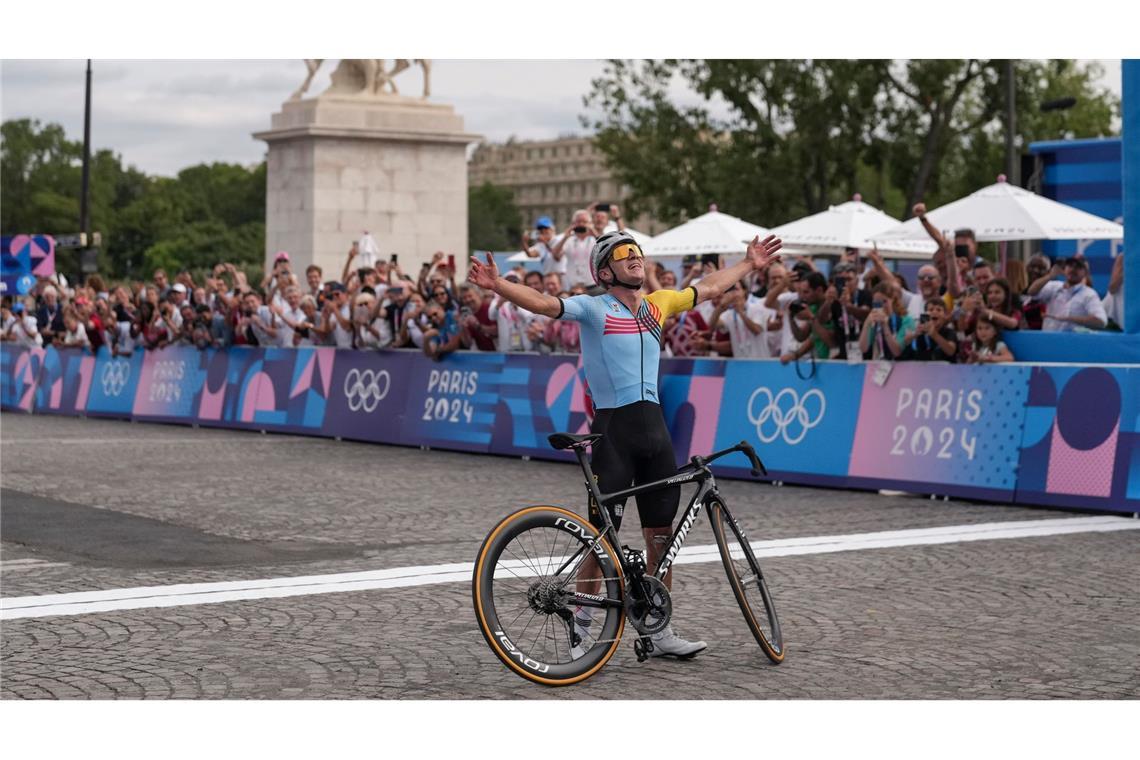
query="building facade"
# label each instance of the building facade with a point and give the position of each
(552, 178)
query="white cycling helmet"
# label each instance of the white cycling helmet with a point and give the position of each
(603, 249)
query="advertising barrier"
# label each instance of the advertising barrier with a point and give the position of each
(1018, 433)
(956, 428)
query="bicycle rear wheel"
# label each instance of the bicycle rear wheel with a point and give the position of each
(747, 582)
(523, 585)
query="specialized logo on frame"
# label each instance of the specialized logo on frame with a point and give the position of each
(114, 377)
(786, 414)
(365, 389)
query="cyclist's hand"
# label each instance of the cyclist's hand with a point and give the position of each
(483, 275)
(764, 252)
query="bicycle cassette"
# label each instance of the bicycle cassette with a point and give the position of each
(652, 614)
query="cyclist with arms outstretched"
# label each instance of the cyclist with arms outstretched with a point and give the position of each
(621, 353)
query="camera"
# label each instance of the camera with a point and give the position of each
(840, 283)
(602, 207)
(923, 319)
(796, 307)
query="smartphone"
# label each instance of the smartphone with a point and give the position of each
(451, 261)
(923, 319)
(395, 258)
(710, 258)
(602, 207)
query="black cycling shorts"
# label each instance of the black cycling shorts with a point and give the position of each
(636, 448)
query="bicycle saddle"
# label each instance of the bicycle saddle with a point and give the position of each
(562, 441)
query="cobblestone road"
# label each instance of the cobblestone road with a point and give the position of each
(144, 505)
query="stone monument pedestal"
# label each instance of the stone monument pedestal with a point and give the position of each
(340, 165)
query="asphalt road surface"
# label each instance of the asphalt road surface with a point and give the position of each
(151, 561)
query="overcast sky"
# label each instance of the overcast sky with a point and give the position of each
(162, 116)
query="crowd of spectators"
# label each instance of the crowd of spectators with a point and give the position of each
(958, 310)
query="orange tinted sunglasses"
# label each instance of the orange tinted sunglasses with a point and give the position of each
(625, 250)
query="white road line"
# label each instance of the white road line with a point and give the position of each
(85, 602)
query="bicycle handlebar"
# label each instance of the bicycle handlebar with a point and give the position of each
(758, 468)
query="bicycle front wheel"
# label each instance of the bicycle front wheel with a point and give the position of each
(747, 582)
(526, 575)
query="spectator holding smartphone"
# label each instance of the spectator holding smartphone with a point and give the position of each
(812, 318)
(745, 322)
(1071, 303)
(887, 326)
(541, 247)
(475, 318)
(22, 327)
(934, 339)
(442, 334)
(576, 244)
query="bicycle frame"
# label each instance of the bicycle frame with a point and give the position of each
(697, 470)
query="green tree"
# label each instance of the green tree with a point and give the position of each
(207, 214)
(494, 223)
(800, 135)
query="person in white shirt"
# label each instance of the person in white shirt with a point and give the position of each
(372, 329)
(21, 326)
(541, 249)
(76, 335)
(289, 317)
(1069, 304)
(782, 293)
(513, 322)
(338, 316)
(745, 320)
(575, 246)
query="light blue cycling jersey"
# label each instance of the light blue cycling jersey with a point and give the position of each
(621, 352)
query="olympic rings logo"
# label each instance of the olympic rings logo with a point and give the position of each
(785, 414)
(365, 389)
(114, 377)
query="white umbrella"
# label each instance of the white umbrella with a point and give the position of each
(713, 232)
(853, 224)
(642, 239)
(1004, 212)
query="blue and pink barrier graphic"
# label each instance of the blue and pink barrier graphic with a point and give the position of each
(1059, 435)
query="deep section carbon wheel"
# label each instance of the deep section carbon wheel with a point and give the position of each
(747, 582)
(526, 574)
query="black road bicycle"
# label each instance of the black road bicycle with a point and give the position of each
(525, 586)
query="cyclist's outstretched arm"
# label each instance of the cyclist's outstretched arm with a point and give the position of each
(761, 253)
(486, 275)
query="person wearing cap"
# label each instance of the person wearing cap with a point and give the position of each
(23, 328)
(177, 298)
(1070, 303)
(621, 356)
(542, 248)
